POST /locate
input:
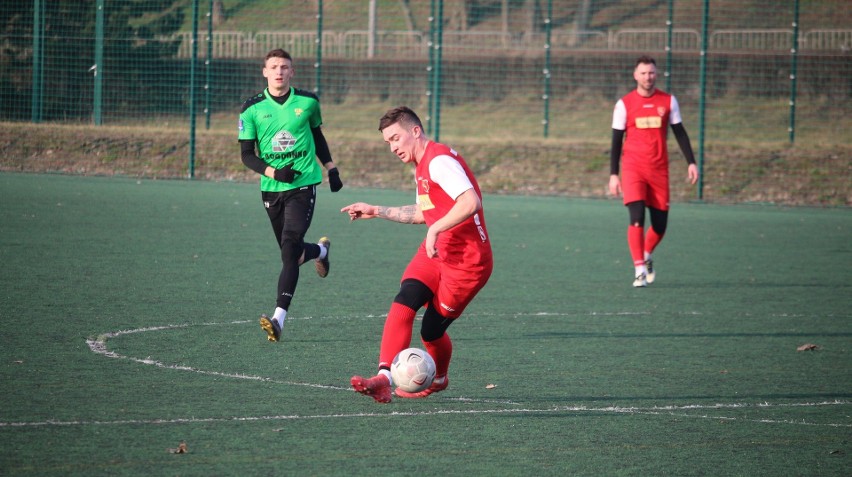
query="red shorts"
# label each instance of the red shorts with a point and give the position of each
(453, 287)
(648, 185)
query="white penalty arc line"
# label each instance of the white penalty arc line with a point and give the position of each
(654, 410)
(99, 346)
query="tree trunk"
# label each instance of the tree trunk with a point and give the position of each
(457, 18)
(409, 18)
(505, 21)
(534, 17)
(218, 12)
(581, 21)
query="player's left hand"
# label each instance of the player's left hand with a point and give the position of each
(334, 181)
(692, 173)
(431, 243)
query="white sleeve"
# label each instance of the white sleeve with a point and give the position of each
(449, 174)
(674, 112)
(619, 116)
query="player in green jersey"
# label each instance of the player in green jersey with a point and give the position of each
(282, 123)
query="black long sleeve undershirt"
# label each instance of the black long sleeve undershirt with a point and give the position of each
(683, 142)
(250, 158)
(323, 153)
(615, 150)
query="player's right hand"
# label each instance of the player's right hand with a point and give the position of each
(286, 174)
(360, 210)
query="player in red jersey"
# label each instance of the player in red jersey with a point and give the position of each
(643, 116)
(451, 265)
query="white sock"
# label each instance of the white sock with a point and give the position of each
(640, 270)
(387, 374)
(323, 252)
(647, 256)
(279, 316)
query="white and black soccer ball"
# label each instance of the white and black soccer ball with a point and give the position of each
(413, 370)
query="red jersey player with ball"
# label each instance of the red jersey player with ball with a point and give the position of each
(643, 116)
(451, 265)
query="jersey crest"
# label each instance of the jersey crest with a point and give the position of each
(282, 141)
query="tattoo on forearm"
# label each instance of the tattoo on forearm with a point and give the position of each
(404, 214)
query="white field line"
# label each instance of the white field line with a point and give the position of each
(654, 410)
(98, 346)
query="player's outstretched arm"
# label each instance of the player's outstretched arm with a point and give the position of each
(406, 214)
(360, 210)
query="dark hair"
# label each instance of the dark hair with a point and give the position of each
(403, 115)
(646, 60)
(277, 53)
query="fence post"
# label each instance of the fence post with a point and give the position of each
(318, 62)
(794, 71)
(546, 97)
(38, 60)
(705, 20)
(192, 63)
(436, 85)
(99, 62)
(371, 30)
(670, 27)
(208, 65)
(430, 78)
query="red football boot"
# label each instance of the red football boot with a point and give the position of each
(377, 387)
(435, 387)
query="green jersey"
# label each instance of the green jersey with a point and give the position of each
(283, 135)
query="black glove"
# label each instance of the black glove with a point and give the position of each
(286, 174)
(334, 180)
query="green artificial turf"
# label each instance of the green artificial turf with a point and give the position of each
(129, 325)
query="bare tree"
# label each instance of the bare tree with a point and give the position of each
(534, 16)
(457, 16)
(409, 18)
(504, 10)
(581, 19)
(218, 12)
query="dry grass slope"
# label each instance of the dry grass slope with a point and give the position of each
(776, 174)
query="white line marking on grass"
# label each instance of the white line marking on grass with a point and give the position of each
(654, 410)
(667, 410)
(99, 346)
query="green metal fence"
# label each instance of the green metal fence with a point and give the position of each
(744, 72)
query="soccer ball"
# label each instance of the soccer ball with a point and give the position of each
(413, 370)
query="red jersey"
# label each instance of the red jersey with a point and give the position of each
(646, 122)
(442, 175)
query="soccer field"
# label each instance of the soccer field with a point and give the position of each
(129, 325)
